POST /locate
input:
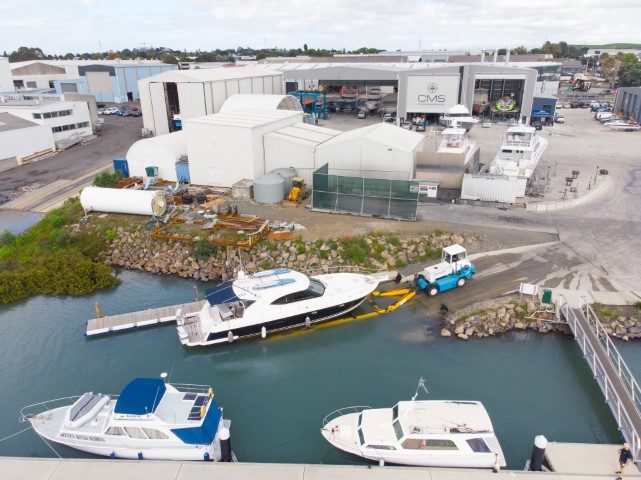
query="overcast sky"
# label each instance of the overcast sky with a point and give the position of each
(84, 25)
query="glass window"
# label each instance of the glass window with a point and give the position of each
(381, 447)
(31, 85)
(116, 431)
(46, 115)
(360, 419)
(154, 434)
(37, 115)
(395, 412)
(360, 436)
(316, 287)
(54, 114)
(51, 85)
(398, 429)
(135, 432)
(478, 445)
(431, 444)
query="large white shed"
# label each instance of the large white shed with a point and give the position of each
(295, 146)
(376, 151)
(227, 147)
(241, 101)
(162, 151)
(194, 93)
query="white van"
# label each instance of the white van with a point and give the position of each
(603, 115)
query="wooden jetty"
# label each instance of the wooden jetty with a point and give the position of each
(142, 318)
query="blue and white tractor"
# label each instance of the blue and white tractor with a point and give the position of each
(454, 270)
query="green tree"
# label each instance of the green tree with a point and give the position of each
(305, 47)
(630, 75)
(522, 50)
(169, 59)
(261, 55)
(26, 53)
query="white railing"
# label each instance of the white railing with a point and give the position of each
(31, 410)
(343, 411)
(614, 400)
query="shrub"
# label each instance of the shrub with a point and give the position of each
(107, 179)
(393, 240)
(59, 239)
(637, 306)
(355, 249)
(203, 250)
(270, 246)
(438, 232)
(324, 254)
(110, 235)
(6, 238)
(301, 249)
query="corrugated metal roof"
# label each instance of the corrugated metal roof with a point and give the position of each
(111, 63)
(211, 74)
(246, 118)
(11, 122)
(305, 134)
(384, 133)
(255, 101)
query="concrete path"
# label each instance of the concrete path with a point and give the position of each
(57, 469)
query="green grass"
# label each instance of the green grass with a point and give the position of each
(355, 250)
(51, 258)
(393, 240)
(637, 306)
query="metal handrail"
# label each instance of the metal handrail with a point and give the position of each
(25, 416)
(192, 387)
(612, 398)
(339, 412)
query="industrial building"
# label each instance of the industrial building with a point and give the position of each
(194, 93)
(543, 108)
(422, 89)
(22, 140)
(628, 103)
(107, 80)
(64, 119)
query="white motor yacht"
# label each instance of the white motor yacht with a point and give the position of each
(520, 152)
(459, 114)
(427, 433)
(150, 419)
(272, 301)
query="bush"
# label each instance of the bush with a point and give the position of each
(324, 254)
(6, 238)
(393, 240)
(301, 249)
(59, 239)
(107, 179)
(637, 306)
(203, 250)
(355, 249)
(110, 235)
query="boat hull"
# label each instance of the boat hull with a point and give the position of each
(282, 324)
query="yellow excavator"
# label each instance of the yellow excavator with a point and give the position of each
(298, 192)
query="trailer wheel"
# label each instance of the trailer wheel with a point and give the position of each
(460, 282)
(432, 291)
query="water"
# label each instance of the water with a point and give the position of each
(16, 221)
(278, 390)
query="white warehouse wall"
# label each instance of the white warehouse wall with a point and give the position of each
(23, 142)
(6, 81)
(80, 114)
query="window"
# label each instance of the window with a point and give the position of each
(31, 85)
(315, 290)
(154, 434)
(53, 114)
(135, 432)
(395, 412)
(46, 115)
(360, 436)
(360, 419)
(37, 115)
(51, 85)
(478, 445)
(398, 429)
(82, 125)
(116, 431)
(381, 447)
(431, 444)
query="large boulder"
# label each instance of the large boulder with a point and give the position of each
(445, 332)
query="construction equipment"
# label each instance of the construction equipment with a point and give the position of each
(453, 271)
(299, 191)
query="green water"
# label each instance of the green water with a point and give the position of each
(277, 391)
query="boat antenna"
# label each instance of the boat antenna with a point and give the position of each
(420, 385)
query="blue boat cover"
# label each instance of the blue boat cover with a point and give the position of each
(221, 293)
(205, 434)
(140, 396)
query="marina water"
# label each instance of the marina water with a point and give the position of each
(276, 391)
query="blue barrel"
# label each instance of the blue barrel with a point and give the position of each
(182, 172)
(121, 165)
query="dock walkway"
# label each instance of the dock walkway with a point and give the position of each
(143, 318)
(620, 387)
(83, 469)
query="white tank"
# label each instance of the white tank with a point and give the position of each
(287, 173)
(114, 200)
(269, 189)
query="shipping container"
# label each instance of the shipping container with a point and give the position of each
(490, 188)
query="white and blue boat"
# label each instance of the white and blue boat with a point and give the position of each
(150, 419)
(272, 301)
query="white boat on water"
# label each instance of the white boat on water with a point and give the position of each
(460, 115)
(427, 433)
(520, 152)
(150, 419)
(272, 301)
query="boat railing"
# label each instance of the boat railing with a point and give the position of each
(41, 407)
(339, 269)
(192, 388)
(343, 411)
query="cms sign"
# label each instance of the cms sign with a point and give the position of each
(432, 97)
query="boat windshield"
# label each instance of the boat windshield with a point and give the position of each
(316, 286)
(398, 429)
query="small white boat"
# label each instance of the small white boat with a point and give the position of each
(460, 115)
(520, 152)
(426, 433)
(150, 419)
(272, 301)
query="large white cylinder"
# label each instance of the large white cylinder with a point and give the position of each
(114, 200)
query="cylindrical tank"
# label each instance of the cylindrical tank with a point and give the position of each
(114, 200)
(287, 174)
(269, 189)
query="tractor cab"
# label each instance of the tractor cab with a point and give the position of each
(455, 255)
(453, 270)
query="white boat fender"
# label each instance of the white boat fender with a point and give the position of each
(210, 392)
(308, 322)
(263, 332)
(225, 445)
(538, 452)
(381, 463)
(230, 337)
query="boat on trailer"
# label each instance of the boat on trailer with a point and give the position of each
(426, 433)
(272, 301)
(149, 419)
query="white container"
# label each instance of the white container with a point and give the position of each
(492, 188)
(114, 200)
(269, 189)
(162, 151)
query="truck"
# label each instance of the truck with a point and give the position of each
(454, 270)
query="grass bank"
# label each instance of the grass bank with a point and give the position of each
(55, 257)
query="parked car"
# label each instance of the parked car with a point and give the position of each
(101, 105)
(361, 115)
(389, 118)
(559, 118)
(537, 125)
(420, 127)
(407, 125)
(135, 113)
(110, 111)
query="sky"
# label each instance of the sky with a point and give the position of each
(91, 25)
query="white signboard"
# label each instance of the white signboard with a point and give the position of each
(431, 93)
